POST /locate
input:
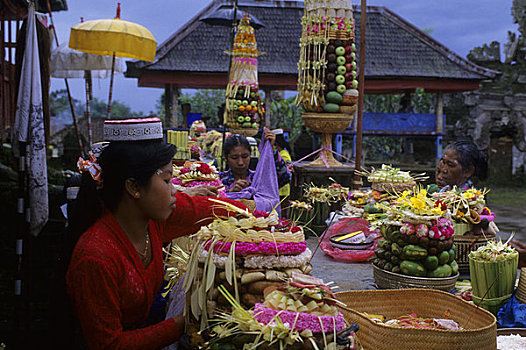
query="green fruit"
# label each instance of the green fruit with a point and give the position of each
(240, 119)
(340, 79)
(355, 84)
(340, 60)
(443, 258)
(246, 124)
(341, 88)
(248, 119)
(454, 267)
(431, 262)
(252, 94)
(334, 97)
(331, 108)
(414, 252)
(341, 70)
(440, 272)
(340, 51)
(239, 102)
(245, 102)
(254, 103)
(412, 268)
(255, 125)
(451, 253)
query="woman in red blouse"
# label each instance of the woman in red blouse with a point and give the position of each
(116, 269)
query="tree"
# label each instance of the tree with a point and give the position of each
(286, 114)
(205, 101)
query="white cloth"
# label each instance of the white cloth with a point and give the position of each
(29, 128)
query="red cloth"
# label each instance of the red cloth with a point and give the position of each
(348, 225)
(111, 290)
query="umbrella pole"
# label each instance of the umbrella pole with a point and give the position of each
(71, 106)
(87, 78)
(361, 89)
(111, 85)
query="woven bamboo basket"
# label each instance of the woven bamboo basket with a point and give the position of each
(465, 245)
(480, 333)
(390, 280)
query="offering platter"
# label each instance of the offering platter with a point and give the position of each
(327, 124)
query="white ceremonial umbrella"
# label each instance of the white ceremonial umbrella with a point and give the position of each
(69, 63)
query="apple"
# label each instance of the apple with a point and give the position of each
(240, 119)
(353, 56)
(254, 103)
(332, 86)
(253, 94)
(354, 64)
(331, 57)
(340, 60)
(353, 47)
(348, 66)
(337, 42)
(341, 70)
(330, 48)
(348, 84)
(245, 102)
(348, 76)
(348, 58)
(331, 76)
(355, 84)
(340, 50)
(247, 119)
(254, 125)
(239, 102)
(341, 88)
(354, 73)
(340, 79)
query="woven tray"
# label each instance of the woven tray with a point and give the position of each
(480, 333)
(390, 280)
(465, 245)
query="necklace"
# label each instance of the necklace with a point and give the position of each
(144, 256)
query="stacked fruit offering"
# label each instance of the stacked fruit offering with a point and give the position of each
(418, 237)
(246, 255)
(243, 108)
(341, 84)
(327, 68)
(420, 250)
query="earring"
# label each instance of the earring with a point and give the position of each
(136, 195)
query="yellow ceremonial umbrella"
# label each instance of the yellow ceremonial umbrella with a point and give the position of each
(113, 37)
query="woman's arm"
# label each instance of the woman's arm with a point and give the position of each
(93, 287)
(191, 213)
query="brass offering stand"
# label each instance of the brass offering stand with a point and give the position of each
(327, 124)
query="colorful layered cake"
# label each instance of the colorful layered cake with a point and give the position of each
(247, 255)
(197, 174)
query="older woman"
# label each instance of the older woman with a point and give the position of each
(461, 163)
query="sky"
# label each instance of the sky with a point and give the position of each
(460, 25)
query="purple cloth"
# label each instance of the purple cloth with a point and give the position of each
(264, 187)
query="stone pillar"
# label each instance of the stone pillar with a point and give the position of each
(440, 112)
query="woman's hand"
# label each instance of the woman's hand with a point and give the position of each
(269, 135)
(239, 185)
(203, 190)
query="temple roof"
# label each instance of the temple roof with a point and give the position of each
(395, 50)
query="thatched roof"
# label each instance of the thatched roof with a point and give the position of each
(396, 52)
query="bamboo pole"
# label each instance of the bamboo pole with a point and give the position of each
(361, 83)
(71, 106)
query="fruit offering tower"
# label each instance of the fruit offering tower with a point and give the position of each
(244, 110)
(327, 81)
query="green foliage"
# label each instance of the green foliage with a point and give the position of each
(205, 101)
(421, 102)
(59, 107)
(286, 114)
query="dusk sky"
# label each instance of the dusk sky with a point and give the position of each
(459, 25)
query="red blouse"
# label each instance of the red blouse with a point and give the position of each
(111, 290)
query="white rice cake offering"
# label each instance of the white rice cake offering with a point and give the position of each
(511, 342)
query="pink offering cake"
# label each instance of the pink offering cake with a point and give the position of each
(197, 174)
